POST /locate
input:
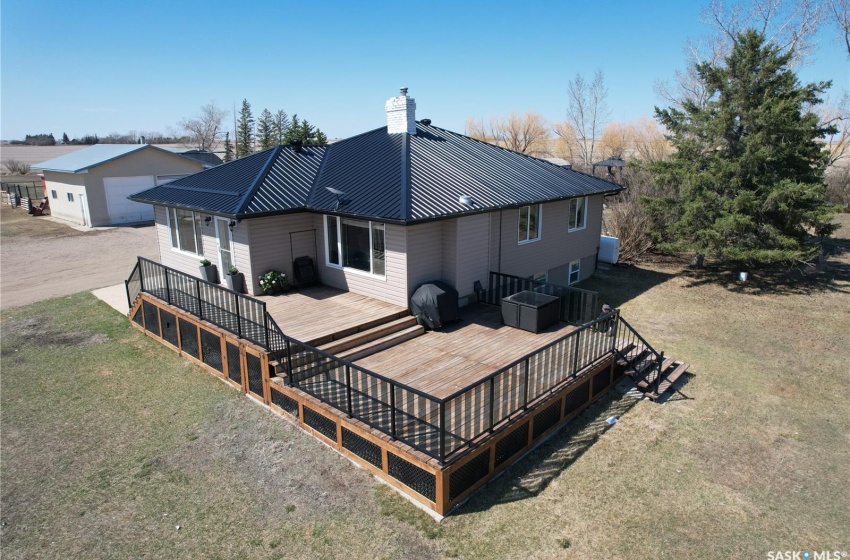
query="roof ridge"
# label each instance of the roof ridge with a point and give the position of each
(404, 203)
(309, 203)
(258, 180)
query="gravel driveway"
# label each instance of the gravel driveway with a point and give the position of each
(41, 259)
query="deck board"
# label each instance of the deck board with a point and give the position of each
(312, 314)
(441, 362)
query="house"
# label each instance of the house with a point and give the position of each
(90, 186)
(385, 211)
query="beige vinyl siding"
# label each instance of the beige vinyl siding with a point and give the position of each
(180, 260)
(392, 288)
(450, 252)
(473, 260)
(64, 183)
(425, 255)
(269, 244)
(556, 246)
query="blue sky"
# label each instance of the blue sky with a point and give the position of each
(99, 67)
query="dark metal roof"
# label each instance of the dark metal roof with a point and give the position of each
(392, 177)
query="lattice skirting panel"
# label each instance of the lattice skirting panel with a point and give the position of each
(437, 486)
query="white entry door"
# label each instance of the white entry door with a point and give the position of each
(225, 244)
(84, 209)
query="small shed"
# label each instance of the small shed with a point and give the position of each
(90, 186)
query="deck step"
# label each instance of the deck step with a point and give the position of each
(318, 342)
(365, 336)
(647, 377)
(669, 379)
(382, 343)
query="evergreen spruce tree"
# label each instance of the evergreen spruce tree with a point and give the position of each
(65, 139)
(265, 130)
(281, 126)
(306, 132)
(245, 131)
(293, 131)
(748, 167)
(228, 148)
(321, 139)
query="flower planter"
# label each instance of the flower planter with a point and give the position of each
(235, 282)
(209, 273)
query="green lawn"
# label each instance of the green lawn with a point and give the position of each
(113, 447)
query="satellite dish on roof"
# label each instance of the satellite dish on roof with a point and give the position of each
(338, 193)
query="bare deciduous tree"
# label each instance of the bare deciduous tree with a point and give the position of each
(840, 10)
(587, 113)
(525, 133)
(205, 129)
(837, 115)
(788, 24)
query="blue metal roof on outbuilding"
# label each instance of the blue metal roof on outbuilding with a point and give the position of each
(399, 178)
(87, 158)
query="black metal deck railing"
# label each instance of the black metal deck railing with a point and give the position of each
(639, 354)
(577, 306)
(438, 427)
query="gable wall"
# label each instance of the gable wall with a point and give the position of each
(148, 162)
(556, 247)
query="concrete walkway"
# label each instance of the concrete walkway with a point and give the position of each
(115, 296)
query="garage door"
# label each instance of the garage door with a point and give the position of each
(121, 210)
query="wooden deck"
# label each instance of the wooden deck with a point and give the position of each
(442, 362)
(320, 314)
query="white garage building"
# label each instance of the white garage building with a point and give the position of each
(90, 186)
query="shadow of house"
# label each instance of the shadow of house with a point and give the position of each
(619, 285)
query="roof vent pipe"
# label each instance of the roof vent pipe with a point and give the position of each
(426, 122)
(296, 145)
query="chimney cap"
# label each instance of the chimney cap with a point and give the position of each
(404, 91)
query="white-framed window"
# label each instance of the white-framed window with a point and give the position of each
(53, 194)
(185, 227)
(70, 197)
(578, 213)
(355, 244)
(529, 224)
(575, 271)
(541, 277)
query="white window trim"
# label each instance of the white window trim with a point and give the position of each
(539, 224)
(346, 269)
(577, 270)
(178, 250)
(584, 216)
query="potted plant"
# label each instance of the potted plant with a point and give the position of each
(273, 282)
(209, 272)
(235, 280)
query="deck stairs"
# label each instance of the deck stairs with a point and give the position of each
(355, 344)
(641, 364)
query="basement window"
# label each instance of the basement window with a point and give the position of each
(70, 197)
(185, 227)
(355, 244)
(529, 224)
(575, 271)
(578, 213)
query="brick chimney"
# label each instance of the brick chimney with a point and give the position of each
(401, 114)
